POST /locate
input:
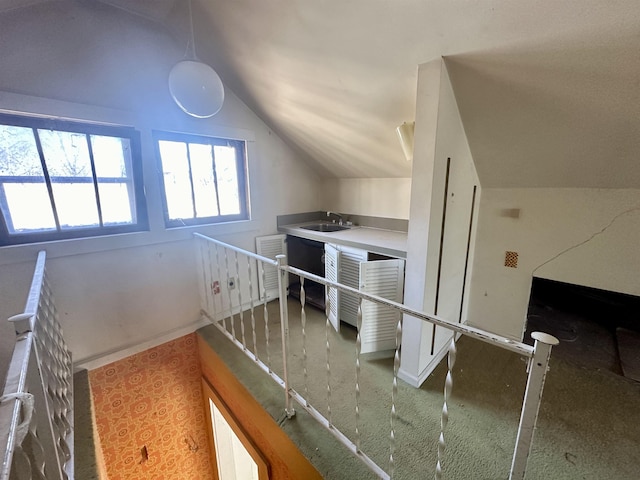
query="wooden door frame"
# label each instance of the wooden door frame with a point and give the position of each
(209, 394)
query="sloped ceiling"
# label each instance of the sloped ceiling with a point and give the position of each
(547, 90)
(543, 116)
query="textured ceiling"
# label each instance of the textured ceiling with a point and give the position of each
(547, 90)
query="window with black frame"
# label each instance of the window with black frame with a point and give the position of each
(203, 179)
(62, 179)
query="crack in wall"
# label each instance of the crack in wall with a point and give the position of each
(591, 237)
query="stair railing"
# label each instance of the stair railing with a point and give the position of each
(537, 355)
(36, 407)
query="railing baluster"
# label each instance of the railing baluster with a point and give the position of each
(251, 306)
(284, 328)
(231, 317)
(394, 398)
(212, 288)
(328, 350)
(224, 318)
(206, 285)
(303, 321)
(265, 313)
(444, 418)
(240, 312)
(358, 349)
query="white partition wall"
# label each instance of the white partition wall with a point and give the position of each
(444, 194)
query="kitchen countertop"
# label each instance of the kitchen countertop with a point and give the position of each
(385, 242)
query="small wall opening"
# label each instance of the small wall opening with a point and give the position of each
(597, 329)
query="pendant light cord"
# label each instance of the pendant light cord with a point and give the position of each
(191, 44)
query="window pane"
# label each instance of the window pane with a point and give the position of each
(112, 159)
(117, 207)
(18, 152)
(75, 204)
(28, 207)
(227, 175)
(177, 184)
(66, 154)
(111, 156)
(204, 187)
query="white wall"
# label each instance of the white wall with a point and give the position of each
(374, 197)
(582, 236)
(434, 278)
(89, 61)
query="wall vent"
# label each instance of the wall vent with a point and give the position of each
(511, 259)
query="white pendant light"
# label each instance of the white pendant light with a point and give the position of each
(195, 86)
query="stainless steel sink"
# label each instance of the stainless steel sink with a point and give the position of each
(325, 227)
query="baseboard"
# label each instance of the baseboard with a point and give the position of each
(96, 361)
(417, 380)
(408, 378)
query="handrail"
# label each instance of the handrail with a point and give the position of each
(236, 249)
(488, 337)
(35, 290)
(13, 396)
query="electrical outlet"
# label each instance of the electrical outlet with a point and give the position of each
(231, 283)
(215, 287)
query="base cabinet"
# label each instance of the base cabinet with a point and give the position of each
(370, 273)
(306, 255)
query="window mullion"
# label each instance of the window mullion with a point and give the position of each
(129, 183)
(47, 179)
(6, 224)
(242, 167)
(193, 193)
(215, 177)
(95, 178)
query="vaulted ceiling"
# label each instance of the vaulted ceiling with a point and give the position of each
(548, 91)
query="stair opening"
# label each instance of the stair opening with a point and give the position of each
(598, 329)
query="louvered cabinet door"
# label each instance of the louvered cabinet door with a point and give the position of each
(331, 269)
(269, 246)
(384, 278)
(349, 275)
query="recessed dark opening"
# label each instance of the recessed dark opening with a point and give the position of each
(597, 329)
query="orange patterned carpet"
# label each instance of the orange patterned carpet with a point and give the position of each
(153, 400)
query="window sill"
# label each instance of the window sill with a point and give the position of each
(81, 246)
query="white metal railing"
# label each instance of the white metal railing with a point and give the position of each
(36, 407)
(219, 312)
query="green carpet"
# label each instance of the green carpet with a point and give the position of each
(589, 426)
(85, 454)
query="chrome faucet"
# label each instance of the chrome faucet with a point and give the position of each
(337, 215)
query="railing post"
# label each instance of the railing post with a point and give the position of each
(22, 322)
(284, 325)
(538, 366)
